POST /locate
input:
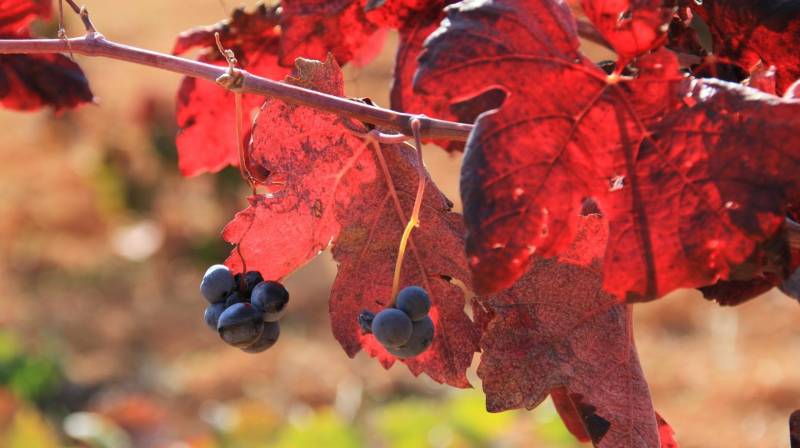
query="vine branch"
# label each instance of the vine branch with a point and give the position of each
(95, 45)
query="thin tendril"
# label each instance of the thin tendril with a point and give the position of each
(62, 32)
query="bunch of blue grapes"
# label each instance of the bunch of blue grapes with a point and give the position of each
(244, 309)
(406, 329)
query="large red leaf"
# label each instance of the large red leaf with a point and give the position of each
(556, 331)
(632, 27)
(30, 82)
(748, 31)
(335, 191)
(206, 140)
(661, 154)
(323, 167)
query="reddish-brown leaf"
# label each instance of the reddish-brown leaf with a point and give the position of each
(313, 28)
(661, 154)
(205, 111)
(632, 27)
(366, 251)
(335, 192)
(556, 332)
(749, 31)
(30, 82)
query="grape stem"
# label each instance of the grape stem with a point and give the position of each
(413, 221)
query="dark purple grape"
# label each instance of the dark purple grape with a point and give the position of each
(271, 298)
(241, 324)
(217, 283)
(212, 314)
(234, 298)
(392, 327)
(365, 319)
(267, 339)
(421, 338)
(251, 279)
(413, 301)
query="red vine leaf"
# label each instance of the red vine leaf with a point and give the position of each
(632, 27)
(749, 31)
(366, 251)
(313, 28)
(322, 165)
(30, 82)
(661, 154)
(205, 114)
(556, 332)
(335, 192)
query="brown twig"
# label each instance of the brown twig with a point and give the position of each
(94, 44)
(84, 14)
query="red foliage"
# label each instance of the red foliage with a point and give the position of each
(30, 82)
(16, 15)
(335, 192)
(748, 31)
(205, 111)
(661, 154)
(312, 28)
(556, 332)
(663, 163)
(632, 27)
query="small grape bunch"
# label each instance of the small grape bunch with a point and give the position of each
(244, 309)
(405, 330)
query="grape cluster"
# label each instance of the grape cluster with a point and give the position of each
(243, 308)
(405, 330)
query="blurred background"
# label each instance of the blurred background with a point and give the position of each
(102, 341)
